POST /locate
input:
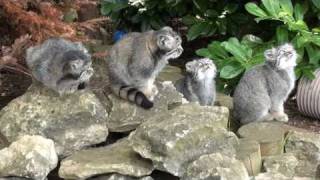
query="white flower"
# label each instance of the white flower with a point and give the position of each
(137, 2)
(141, 10)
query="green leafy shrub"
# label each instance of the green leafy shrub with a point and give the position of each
(202, 17)
(234, 57)
(210, 17)
(294, 29)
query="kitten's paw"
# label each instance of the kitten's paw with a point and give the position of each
(282, 118)
(155, 90)
(86, 75)
(268, 117)
(68, 90)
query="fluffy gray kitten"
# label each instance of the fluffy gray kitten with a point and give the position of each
(261, 92)
(199, 85)
(61, 65)
(135, 61)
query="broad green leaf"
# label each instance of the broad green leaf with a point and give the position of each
(308, 73)
(316, 30)
(298, 26)
(231, 71)
(258, 58)
(213, 30)
(235, 48)
(202, 5)
(222, 26)
(316, 3)
(272, 6)
(203, 52)
(252, 8)
(212, 13)
(282, 34)
(231, 7)
(301, 41)
(189, 20)
(298, 72)
(155, 24)
(195, 31)
(251, 40)
(313, 54)
(217, 51)
(119, 6)
(286, 5)
(106, 8)
(315, 39)
(298, 12)
(207, 29)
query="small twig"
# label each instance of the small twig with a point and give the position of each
(20, 70)
(96, 20)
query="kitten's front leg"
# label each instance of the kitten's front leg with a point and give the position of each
(277, 111)
(86, 75)
(67, 86)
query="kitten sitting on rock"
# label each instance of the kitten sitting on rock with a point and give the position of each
(199, 85)
(262, 91)
(61, 65)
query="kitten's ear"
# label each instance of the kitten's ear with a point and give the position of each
(167, 28)
(189, 66)
(269, 54)
(75, 64)
(161, 39)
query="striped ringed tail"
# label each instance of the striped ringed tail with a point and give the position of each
(135, 95)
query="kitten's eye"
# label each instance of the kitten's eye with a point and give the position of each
(287, 53)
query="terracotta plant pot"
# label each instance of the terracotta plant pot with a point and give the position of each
(308, 96)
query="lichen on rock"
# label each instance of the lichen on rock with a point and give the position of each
(174, 139)
(72, 121)
(30, 157)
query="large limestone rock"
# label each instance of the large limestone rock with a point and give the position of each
(3, 141)
(249, 153)
(170, 73)
(125, 116)
(303, 143)
(31, 157)
(120, 177)
(284, 164)
(270, 136)
(216, 166)
(271, 176)
(115, 158)
(224, 100)
(71, 121)
(306, 147)
(174, 139)
(14, 178)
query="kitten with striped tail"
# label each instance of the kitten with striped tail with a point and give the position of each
(136, 60)
(199, 83)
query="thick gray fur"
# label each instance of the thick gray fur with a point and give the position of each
(262, 91)
(61, 65)
(199, 85)
(135, 61)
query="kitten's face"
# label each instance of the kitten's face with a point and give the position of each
(282, 57)
(170, 42)
(76, 62)
(202, 68)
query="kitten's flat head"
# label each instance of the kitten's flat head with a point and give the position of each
(201, 68)
(282, 57)
(169, 41)
(76, 62)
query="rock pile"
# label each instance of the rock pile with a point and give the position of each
(188, 141)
